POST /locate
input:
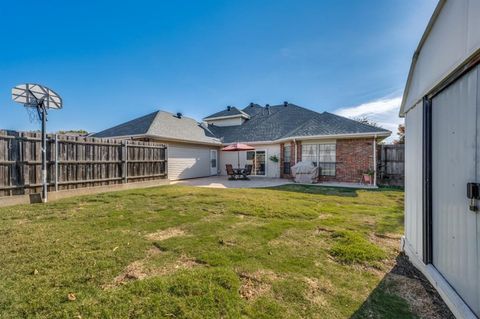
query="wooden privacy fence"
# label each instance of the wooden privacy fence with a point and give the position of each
(74, 162)
(391, 164)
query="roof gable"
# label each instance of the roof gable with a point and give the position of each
(231, 111)
(163, 125)
(136, 126)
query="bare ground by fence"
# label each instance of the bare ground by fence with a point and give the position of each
(391, 165)
(74, 162)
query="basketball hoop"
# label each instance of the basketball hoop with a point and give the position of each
(37, 99)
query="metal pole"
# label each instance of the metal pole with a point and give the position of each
(44, 152)
(375, 160)
(56, 162)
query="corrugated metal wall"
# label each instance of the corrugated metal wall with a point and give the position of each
(413, 179)
(454, 164)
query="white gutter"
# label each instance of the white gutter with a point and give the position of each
(318, 137)
(162, 138)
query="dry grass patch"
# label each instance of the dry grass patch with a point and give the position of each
(140, 269)
(256, 284)
(318, 289)
(414, 293)
(166, 234)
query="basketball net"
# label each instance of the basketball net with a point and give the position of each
(32, 114)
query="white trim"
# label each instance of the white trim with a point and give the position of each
(454, 302)
(161, 138)
(283, 140)
(318, 137)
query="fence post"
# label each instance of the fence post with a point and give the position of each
(56, 163)
(125, 161)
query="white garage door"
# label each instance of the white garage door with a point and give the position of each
(188, 162)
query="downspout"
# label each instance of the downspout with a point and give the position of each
(375, 160)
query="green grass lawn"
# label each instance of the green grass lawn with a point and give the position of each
(184, 252)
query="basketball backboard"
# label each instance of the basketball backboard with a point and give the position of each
(31, 94)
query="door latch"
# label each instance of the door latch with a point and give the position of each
(473, 193)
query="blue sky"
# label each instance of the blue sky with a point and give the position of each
(112, 61)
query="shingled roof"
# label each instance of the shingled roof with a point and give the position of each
(287, 121)
(163, 125)
(262, 124)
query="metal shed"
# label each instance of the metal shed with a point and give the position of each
(441, 106)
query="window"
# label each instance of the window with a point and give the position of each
(309, 153)
(322, 155)
(287, 153)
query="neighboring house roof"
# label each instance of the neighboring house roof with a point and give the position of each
(282, 122)
(162, 125)
(230, 111)
(264, 124)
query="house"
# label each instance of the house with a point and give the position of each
(281, 134)
(441, 106)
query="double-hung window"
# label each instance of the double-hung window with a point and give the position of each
(321, 155)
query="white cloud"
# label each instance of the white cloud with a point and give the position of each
(384, 112)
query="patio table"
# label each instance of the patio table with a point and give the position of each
(240, 172)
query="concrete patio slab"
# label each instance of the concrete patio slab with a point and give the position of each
(224, 182)
(256, 182)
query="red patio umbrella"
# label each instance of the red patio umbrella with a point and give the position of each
(237, 147)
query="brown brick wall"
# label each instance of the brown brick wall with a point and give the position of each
(354, 156)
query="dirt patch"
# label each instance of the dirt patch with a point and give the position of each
(256, 284)
(317, 290)
(139, 269)
(165, 234)
(322, 230)
(409, 283)
(386, 240)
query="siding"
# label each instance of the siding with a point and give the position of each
(227, 122)
(413, 179)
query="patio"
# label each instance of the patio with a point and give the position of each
(256, 182)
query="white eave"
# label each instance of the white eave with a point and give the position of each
(320, 137)
(215, 141)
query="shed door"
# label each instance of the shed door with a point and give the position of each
(213, 162)
(455, 162)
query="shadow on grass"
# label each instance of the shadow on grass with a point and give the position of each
(386, 300)
(320, 190)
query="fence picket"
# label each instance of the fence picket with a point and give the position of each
(75, 162)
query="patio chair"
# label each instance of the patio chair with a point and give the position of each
(247, 171)
(230, 172)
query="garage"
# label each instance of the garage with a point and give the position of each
(188, 161)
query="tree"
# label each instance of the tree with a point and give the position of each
(401, 134)
(74, 132)
(365, 120)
